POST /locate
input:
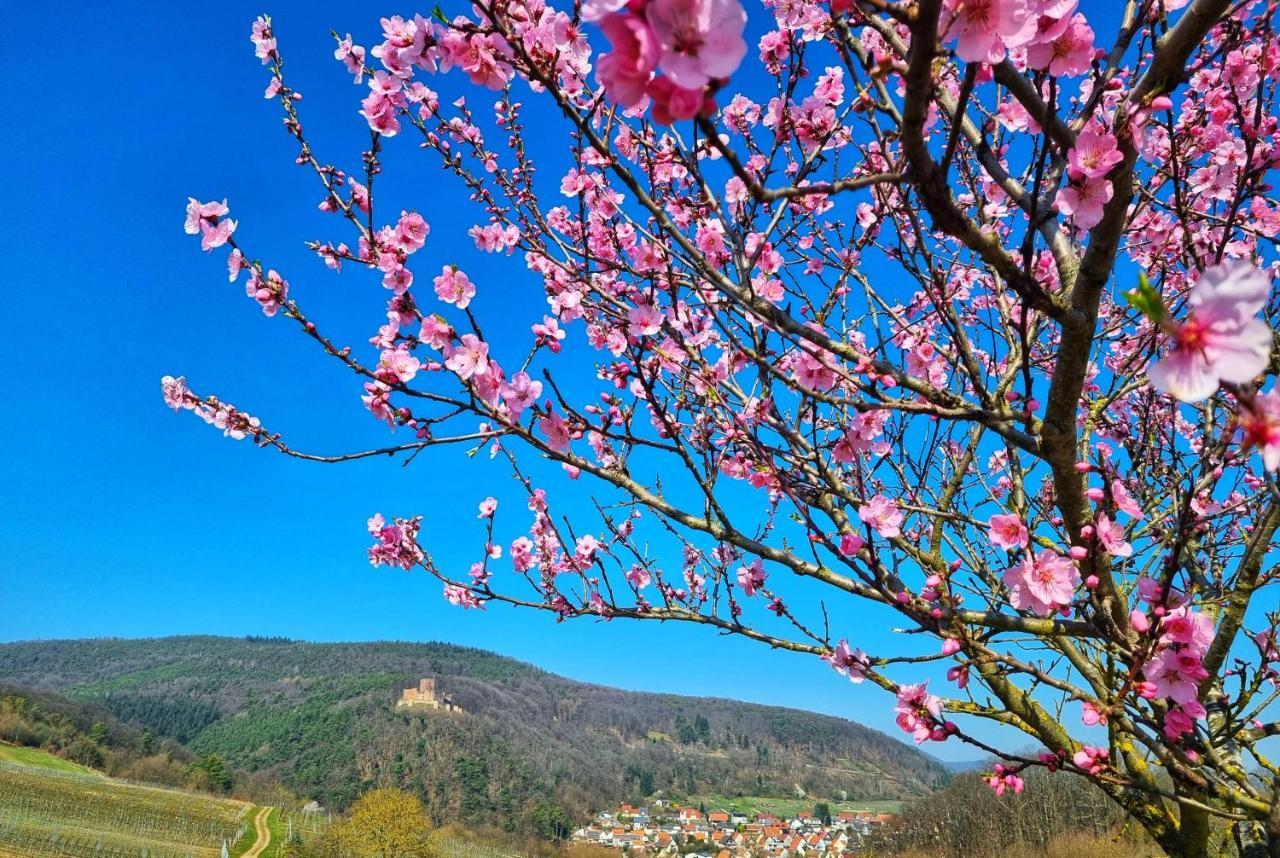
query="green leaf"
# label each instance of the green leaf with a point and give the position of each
(1146, 300)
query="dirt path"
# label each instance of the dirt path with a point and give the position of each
(263, 832)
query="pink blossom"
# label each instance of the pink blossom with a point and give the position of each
(350, 55)
(522, 555)
(595, 10)
(1091, 759)
(495, 237)
(198, 213)
(585, 550)
(1070, 53)
(435, 332)
(1259, 422)
(520, 392)
(645, 319)
(235, 263)
(985, 29)
(488, 507)
(852, 663)
(1265, 641)
(210, 222)
(751, 578)
(175, 392)
(270, 293)
(549, 333)
(1007, 532)
(1042, 584)
(398, 279)
(672, 103)
(813, 373)
(470, 358)
(1175, 674)
(1092, 715)
(398, 365)
(454, 287)
(556, 430)
(1124, 501)
(1221, 339)
(264, 41)
(1181, 720)
(380, 112)
(1094, 155)
(851, 544)
(1152, 592)
(1111, 535)
(1084, 202)
(1189, 628)
(626, 70)
(461, 597)
(411, 231)
(1002, 780)
(639, 577)
(701, 40)
(881, 515)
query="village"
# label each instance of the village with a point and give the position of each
(671, 829)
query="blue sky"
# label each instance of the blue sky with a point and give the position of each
(118, 517)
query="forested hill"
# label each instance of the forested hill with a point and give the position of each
(322, 717)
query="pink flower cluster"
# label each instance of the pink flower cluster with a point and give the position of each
(395, 544)
(1092, 759)
(235, 424)
(1176, 668)
(270, 292)
(691, 42)
(1044, 582)
(209, 221)
(1054, 37)
(461, 597)
(920, 714)
(495, 237)
(751, 578)
(1002, 779)
(881, 515)
(1089, 189)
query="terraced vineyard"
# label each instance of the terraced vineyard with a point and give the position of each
(46, 813)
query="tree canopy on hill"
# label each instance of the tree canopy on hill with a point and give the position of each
(321, 717)
(88, 734)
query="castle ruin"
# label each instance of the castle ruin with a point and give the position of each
(425, 696)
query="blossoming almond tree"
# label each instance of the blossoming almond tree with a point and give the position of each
(955, 309)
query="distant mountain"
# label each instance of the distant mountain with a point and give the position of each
(958, 766)
(322, 718)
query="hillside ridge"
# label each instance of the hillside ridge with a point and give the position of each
(322, 718)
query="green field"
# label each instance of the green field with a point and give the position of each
(48, 813)
(36, 758)
(787, 807)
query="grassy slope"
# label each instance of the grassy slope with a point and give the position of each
(35, 758)
(52, 814)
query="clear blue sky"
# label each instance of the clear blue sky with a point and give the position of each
(118, 517)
